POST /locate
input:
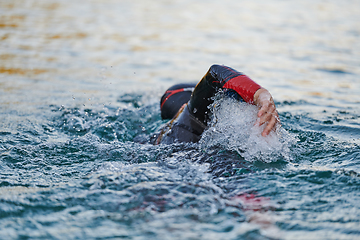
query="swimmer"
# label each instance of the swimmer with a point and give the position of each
(187, 105)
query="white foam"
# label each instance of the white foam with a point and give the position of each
(233, 127)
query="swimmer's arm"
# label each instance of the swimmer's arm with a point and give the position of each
(250, 92)
(267, 113)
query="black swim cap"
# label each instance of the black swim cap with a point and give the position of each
(174, 98)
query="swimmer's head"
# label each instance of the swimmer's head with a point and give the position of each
(174, 98)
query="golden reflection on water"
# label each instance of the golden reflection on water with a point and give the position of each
(68, 36)
(22, 71)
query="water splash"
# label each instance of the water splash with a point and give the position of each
(233, 127)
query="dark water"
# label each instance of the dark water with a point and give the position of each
(80, 85)
(79, 173)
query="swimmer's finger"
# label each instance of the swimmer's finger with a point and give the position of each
(276, 115)
(264, 108)
(266, 115)
(270, 126)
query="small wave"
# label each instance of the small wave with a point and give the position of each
(334, 70)
(130, 120)
(233, 128)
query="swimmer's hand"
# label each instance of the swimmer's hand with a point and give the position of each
(267, 113)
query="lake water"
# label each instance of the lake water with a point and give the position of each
(80, 83)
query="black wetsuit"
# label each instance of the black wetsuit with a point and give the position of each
(188, 106)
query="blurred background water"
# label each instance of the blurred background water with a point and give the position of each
(80, 83)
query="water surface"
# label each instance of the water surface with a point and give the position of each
(80, 84)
